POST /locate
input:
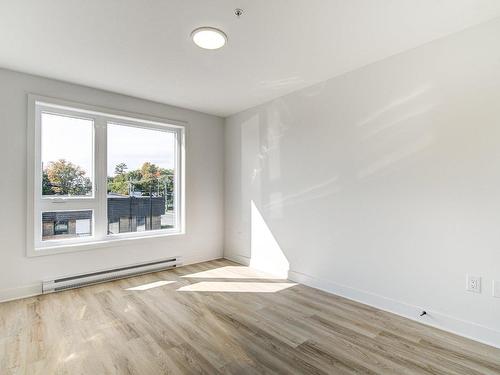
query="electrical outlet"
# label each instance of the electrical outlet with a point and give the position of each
(473, 284)
(496, 288)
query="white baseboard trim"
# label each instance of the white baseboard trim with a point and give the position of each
(20, 292)
(240, 259)
(198, 258)
(435, 319)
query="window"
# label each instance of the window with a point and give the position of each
(143, 196)
(100, 177)
(67, 155)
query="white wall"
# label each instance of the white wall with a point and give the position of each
(20, 275)
(383, 184)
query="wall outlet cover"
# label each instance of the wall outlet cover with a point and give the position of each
(473, 284)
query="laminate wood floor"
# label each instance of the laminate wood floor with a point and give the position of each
(221, 318)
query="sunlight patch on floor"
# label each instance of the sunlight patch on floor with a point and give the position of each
(231, 272)
(156, 284)
(236, 287)
(70, 357)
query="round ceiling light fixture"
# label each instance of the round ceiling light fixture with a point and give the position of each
(209, 37)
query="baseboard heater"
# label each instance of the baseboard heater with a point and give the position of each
(77, 281)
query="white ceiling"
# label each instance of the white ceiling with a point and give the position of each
(142, 48)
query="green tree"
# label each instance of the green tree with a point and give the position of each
(120, 168)
(46, 185)
(62, 177)
(149, 178)
(119, 184)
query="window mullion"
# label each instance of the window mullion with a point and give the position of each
(101, 177)
(68, 205)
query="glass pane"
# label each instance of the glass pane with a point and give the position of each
(141, 170)
(67, 156)
(59, 225)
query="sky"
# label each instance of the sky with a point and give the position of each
(71, 139)
(135, 146)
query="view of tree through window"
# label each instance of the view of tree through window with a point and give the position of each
(67, 155)
(62, 177)
(140, 179)
(67, 145)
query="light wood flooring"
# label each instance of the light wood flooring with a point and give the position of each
(221, 318)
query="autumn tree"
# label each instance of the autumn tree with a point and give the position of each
(150, 176)
(62, 177)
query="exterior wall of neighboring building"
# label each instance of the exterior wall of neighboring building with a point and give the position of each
(125, 214)
(64, 224)
(134, 213)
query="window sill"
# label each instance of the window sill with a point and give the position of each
(115, 241)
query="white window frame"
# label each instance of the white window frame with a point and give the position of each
(36, 203)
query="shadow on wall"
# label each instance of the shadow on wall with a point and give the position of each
(281, 180)
(397, 131)
(260, 139)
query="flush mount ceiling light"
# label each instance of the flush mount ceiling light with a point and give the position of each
(209, 38)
